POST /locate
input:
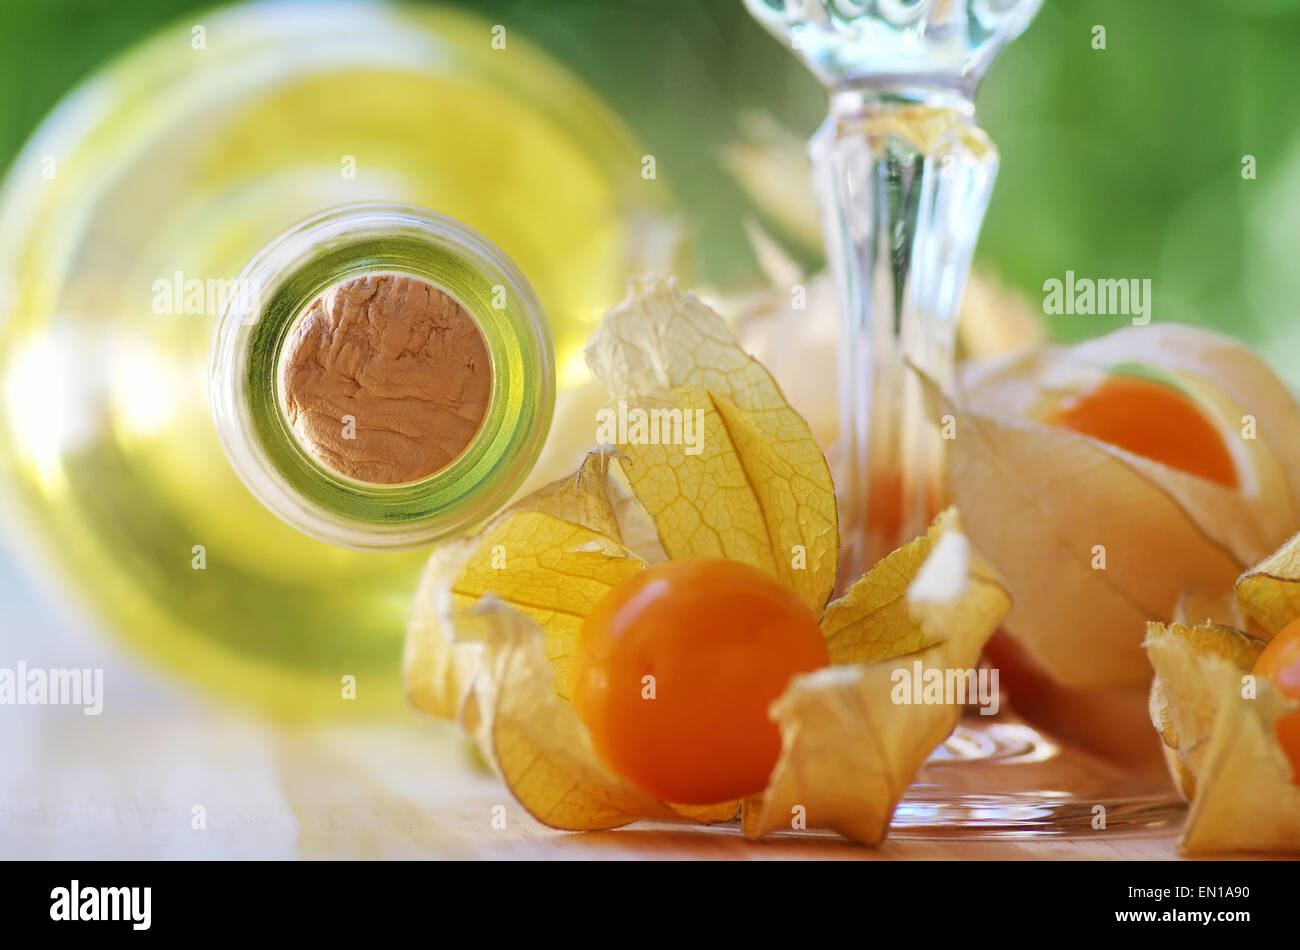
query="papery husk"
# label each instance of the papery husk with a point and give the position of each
(503, 672)
(491, 645)
(880, 597)
(759, 491)
(1025, 486)
(1234, 370)
(1251, 520)
(1036, 501)
(597, 496)
(848, 751)
(1246, 798)
(1184, 698)
(1218, 720)
(534, 738)
(498, 614)
(1270, 591)
(563, 550)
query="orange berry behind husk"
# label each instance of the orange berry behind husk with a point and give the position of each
(721, 640)
(1151, 419)
(1280, 663)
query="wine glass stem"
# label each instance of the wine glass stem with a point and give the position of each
(903, 178)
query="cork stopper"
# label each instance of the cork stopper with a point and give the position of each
(385, 379)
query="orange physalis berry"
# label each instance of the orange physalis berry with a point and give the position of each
(1280, 663)
(1151, 419)
(676, 669)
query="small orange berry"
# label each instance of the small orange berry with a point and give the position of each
(676, 669)
(1153, 420)
(1280, 663)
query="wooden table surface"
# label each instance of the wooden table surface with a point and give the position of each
(208, 784)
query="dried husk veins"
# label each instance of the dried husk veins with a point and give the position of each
(848, 751)
(1048, 525)
(1077, 503)
(1224, 365)
(1270, 591)
(760, 492)
(1218, 721)
(501, 663)
(1246, 800)
(1239, 780)
(551, 569)
(1184, 703)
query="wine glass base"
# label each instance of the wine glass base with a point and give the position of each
(1001, 778)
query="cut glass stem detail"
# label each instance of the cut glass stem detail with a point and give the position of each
(903, 182)
(903, 176)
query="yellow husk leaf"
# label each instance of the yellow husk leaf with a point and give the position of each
(492, 633)
(1220, 735)
(848, 750)
(1249, 521)
(1245, 798)
(1234, 370)
(1221, 739)
(1024, 486)
(497, 614)
(1184, 702)
(1270, 591)
(1046, 506)
(873, 621)
(535, 739)
(597, 496)
(759, 491)
(552, 556)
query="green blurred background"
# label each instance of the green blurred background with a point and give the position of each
(1123, 162)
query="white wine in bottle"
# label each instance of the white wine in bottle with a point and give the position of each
(147, 190)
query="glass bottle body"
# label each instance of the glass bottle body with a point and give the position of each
(121, 223)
